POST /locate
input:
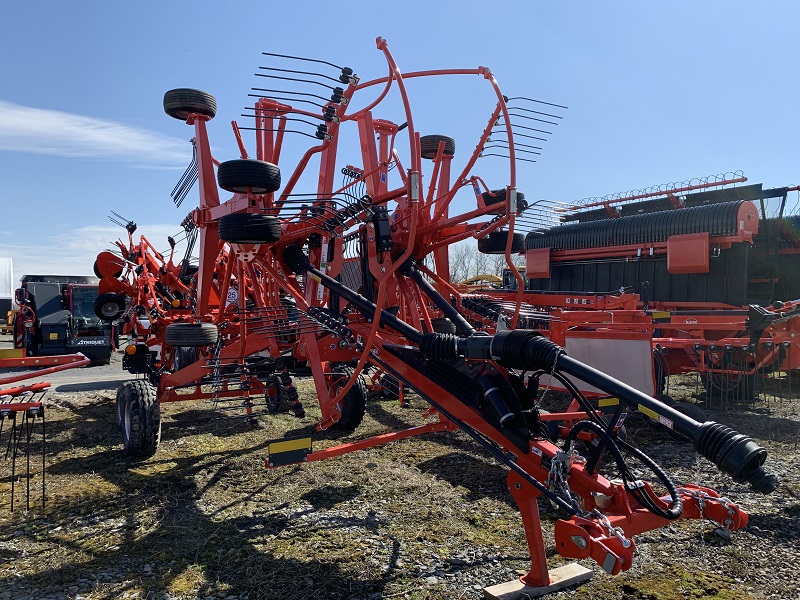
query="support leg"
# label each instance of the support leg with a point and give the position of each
(539, 580)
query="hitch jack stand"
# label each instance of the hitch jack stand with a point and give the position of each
(539, 581)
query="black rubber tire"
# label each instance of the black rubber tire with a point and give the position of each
(109, 306)
(103, 359)
(548, 429)
(249, 228)
(187, 273)
(280, 402)
(443, 325)
(120, 408)
(660, 377)
(499, 197)
(667, 399)
(181, 102)
(354, 404)
(691, 410)
(429, 145)
(183, 357)
(191, 334)
(141, 432)
(243, 175)
(495, 243)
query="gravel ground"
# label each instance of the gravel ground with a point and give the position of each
(427, 517)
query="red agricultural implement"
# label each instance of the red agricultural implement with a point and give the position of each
(22, 419)
(716, 272)
(354, 277)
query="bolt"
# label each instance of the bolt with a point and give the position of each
(579, 541)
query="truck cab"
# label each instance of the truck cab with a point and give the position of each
(57, 316)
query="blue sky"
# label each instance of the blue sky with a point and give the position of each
(657, 92)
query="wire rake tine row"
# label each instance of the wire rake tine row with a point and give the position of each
(187, 180)
(19, 421)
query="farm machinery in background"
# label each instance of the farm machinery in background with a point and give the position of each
(54, 328)
(56, 316)
(22, 419)
(52, 320)
(717, 276)
(354, 279)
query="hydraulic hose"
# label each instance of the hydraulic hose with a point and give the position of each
(733, 453)
(671, 513)
(448, 310)
(299, 263)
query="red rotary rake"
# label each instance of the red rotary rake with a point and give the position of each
(354, 277)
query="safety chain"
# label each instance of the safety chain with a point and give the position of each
(703, 499)
(610, 529)
(552, 374)
(558, 477)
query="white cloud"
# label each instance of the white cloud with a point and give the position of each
(75, 253)
(52, 132)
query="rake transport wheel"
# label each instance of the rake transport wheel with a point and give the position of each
(354, 404)
(243, 175)
(99, 275)
(499, 197)
(120, 408)
(429, 145)
(280, 401)
(495, 243)
(109, 306)
(249, 228)
(191, 334)
(183, 357)
(548, 429)
(390, 387)
(181, 102)
(141, 431)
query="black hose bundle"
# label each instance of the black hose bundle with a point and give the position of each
(733, 453)
(628, 477)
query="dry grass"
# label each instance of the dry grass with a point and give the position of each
(427, 517)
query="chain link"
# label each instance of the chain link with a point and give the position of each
(611, 531)
(704, 498)
(558, 477)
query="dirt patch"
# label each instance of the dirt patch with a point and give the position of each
(427, 517)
